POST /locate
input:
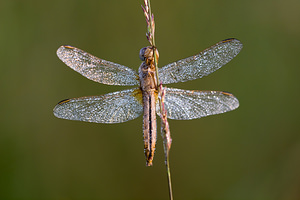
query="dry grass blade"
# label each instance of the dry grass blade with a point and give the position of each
(165, 129)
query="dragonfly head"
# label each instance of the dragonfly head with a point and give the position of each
(146, 54)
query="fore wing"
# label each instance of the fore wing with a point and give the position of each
(192, 104)
(201, 64)
(114, 107)
(96, 69)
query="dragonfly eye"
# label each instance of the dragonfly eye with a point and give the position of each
(142, 53)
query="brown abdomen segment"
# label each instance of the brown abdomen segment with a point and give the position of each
(149, 128)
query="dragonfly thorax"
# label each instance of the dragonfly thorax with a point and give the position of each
(147, 73)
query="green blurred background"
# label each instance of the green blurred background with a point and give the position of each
(250, 153)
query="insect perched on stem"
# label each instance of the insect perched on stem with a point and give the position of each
(125, 105)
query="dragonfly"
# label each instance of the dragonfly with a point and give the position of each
(125, 105)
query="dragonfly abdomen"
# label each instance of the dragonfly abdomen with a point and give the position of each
(149, 127)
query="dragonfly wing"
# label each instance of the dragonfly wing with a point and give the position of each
(201, 64)
(192, 104)
(96, 69)
(114, 107)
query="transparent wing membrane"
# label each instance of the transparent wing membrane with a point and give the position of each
(96, 69)
(114, 107)
(192, 104)
(201, 64)
(126, 105)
